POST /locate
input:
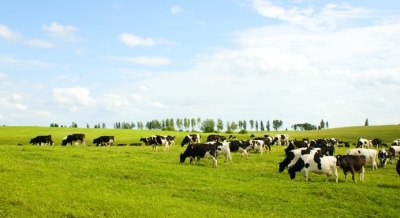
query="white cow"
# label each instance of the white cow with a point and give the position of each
(257, 145)
(362, 143)
(371, 155)
(281, 139)
(315, 163)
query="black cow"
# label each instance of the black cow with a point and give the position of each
(104, 140)
(156, 140)
(74, 138)
(215, 138)
(352, 163)
(398, 167)
(191, 139)
(200, 151)
(42, 140)
(323, 144)
(377, 142)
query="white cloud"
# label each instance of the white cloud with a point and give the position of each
(150, 61)
(38, 43)
(176, 9)
(158, 105)
(8, 34)
(132, 40)
(24, 63)
(66, 33)
(77, 96)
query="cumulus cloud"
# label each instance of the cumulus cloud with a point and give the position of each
(63, 32)
(176, 9)
(132, 40)
(150, 61)
(77, 96)
(24, 63)
(38, 43)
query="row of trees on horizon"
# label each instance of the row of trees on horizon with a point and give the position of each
(207, 125)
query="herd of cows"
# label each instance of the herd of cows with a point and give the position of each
(305, 156)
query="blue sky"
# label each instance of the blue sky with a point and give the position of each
(298, 61)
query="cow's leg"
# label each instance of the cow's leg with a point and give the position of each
(362, 171)
(214, 161)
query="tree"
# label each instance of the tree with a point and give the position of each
(193, 123)
(251, 124)
(256, 125)
(240, 123)
(220, 125)
(244, 124)
(103, 126)
(268, 126)
(326, 125)
(208, 126)
(87, 125)
(234, 126)
(276, 124)
(198, 121)
(262, 126)
(322, 124)
(366, 122)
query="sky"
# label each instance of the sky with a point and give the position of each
(94, 62)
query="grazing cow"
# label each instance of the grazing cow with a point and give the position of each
(171, 139)
(326, 148)
(352, 163)
(267, 142)
(371, 155)
(215, 138)
(376, 142)
(156, 140)
(398, 167)
(240, 146)
(281, 139)
(362, 143)
(333, 142)
(396, 142)
(191, 139)
(382, 157)
(293, 144)
(42, 140)
(257, 145)
(104, 140)
(294, 155)
(394, 151)
(315, 163)
(200, 151)
(74, 138)
(222, 148)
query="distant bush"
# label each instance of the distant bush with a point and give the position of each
(243, 131)
(229, 131)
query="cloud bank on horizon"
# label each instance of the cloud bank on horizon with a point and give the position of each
(296, 61)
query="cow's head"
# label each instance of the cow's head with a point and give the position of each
(286, 161)
(297, 167)
(182, 158)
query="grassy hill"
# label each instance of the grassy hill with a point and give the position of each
(135, 181)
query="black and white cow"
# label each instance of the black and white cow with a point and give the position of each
(363, 143)
(326, 147)
(398, 167)
(74, 138)
(191, 139)
(293, 155)
(371, 155)
(393, 152)
(396, 142)
(315, 163)
(156, 140)
(352, 163)
(222, 148)
(281, 139)
(104, 140)
(199, 150)
(171, 139)
(383, 157)
(215, 138)
(239, 146)
(376, 142)
(268, 141)
(257, 145)
(42, 140)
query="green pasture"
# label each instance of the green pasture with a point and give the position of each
(135, 181)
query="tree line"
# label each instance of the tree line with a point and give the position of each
(207, 125)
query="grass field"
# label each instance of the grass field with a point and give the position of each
(135, 181)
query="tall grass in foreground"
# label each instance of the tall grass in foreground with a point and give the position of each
(133, 181)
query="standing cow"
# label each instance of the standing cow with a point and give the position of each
(74, 139)
(42, 140)
(191, 139)
(156, 140)
(104, 140)
(352, 163)
(200, 151)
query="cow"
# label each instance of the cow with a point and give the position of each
(222, 148)
(371, 155)
(376, 142)
(171, 139)
(396, 142)
(352, 163)
(326, 148)
(191, 139)
(104, 140)
(398, 167)
(240, 146)
(156, 140)
(257, 145)
(315, 163)
(363, 143)
(281, 139)
(267, 142)
(293, 144)
(215, 138)
(393, 151)
(42, 140)
(333, 142)
(199, 150)
(294, 155)
(383, 157)
(74, 138)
